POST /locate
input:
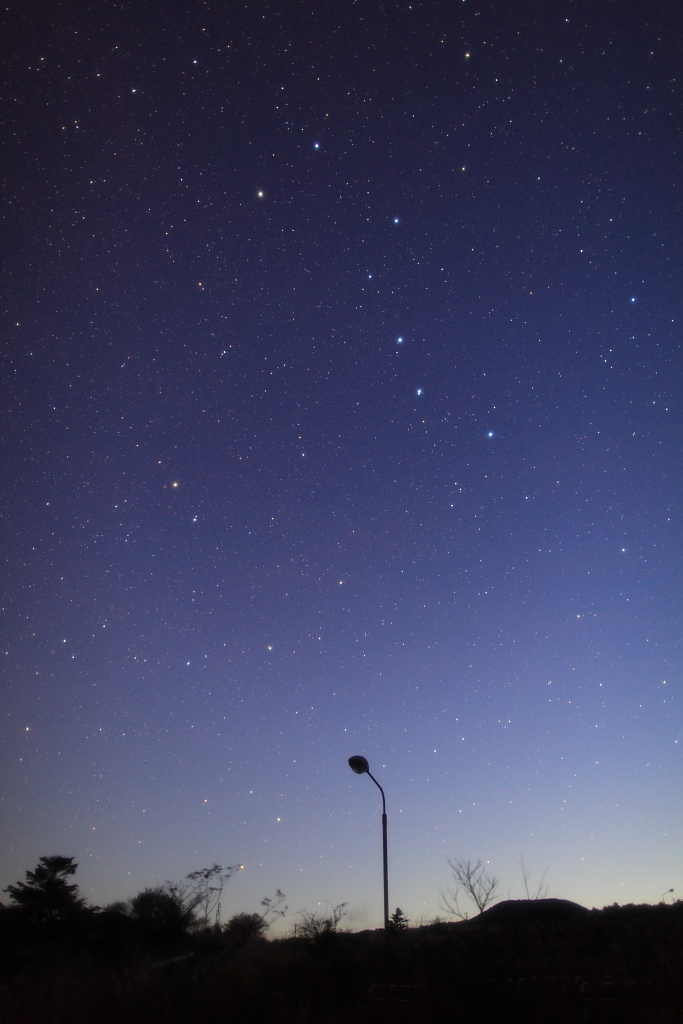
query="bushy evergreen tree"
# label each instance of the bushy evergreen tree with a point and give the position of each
(398, 921)
(46, 896)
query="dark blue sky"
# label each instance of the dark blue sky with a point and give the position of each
(342, 412)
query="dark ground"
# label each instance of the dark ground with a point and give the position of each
(619, 964)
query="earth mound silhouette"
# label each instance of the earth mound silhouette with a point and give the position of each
(526, 910)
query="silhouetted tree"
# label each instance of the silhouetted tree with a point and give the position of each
(46, 896)
(243, 928)
(163, 911)
(272, 906)
(398, 921)
(540, 891)
(206, 889)
(472, 881)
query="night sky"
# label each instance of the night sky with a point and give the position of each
(342, 399)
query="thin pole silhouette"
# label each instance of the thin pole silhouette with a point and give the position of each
(360, 766)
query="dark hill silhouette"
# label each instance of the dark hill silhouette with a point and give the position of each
(527, 910)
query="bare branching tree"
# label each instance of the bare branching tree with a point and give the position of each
(471, 881)
(272, 906)
(205, 890)
(540, 891)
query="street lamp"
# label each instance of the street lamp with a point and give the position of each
(360, 766)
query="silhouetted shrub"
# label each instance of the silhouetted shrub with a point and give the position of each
(242, 928)
(313, 925)
(162, 913)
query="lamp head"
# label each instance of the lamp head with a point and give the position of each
(358, 764)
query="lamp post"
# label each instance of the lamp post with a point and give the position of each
(360, 766)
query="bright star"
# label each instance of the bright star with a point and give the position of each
(490, 433)
(399, 340)
(419, 391)
(316, 145)
(633, 298)
(396, 220)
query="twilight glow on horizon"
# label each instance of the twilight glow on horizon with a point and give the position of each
(342, 403)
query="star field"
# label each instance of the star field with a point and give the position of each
(342, 415)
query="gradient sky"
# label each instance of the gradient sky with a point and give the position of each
(342, 393)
